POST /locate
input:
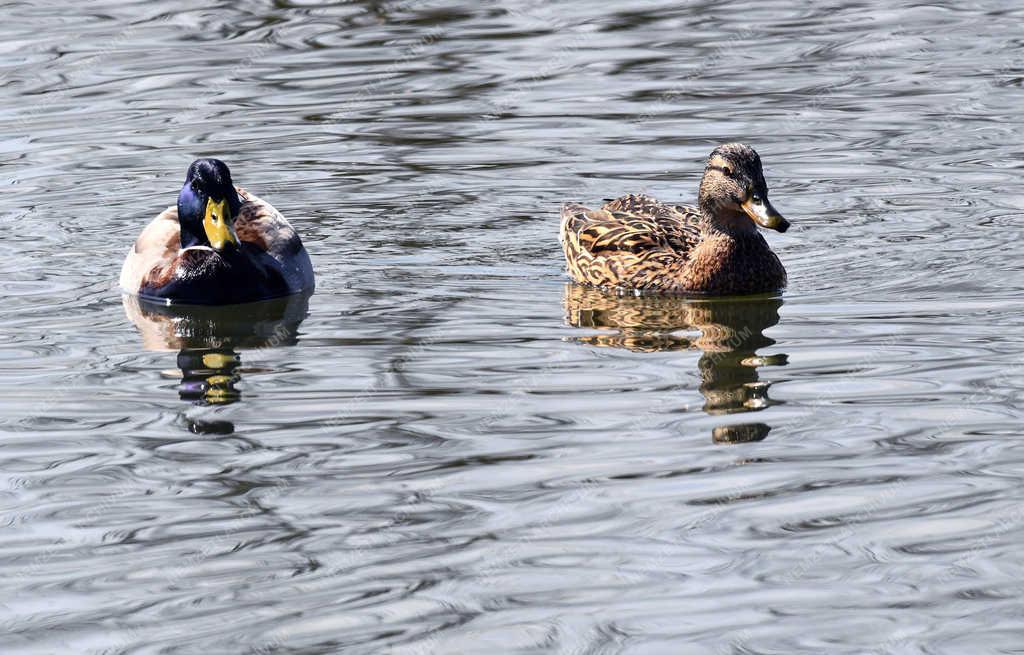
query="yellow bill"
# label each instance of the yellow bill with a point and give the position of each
(219, 361)
(217, 224)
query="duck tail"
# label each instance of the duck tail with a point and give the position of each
(574, 215)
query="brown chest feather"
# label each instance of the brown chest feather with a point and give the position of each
(723, 265)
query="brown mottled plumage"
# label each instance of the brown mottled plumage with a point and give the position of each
(637, 242)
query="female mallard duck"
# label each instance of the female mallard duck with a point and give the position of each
(636, 242)
(221, 245)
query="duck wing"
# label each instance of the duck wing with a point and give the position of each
(262, 226)
(679, 225)
(601, 231)
(155, 249)
(616, 249)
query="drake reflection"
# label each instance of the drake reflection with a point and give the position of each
(731, 332)
(207, 339)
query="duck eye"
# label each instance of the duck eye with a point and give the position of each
(727, 170)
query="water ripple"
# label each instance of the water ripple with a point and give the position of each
(452, 450)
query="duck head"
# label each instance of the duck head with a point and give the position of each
(207, 206)
(733, 191)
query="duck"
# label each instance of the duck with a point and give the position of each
(220, 245)
(637, 243)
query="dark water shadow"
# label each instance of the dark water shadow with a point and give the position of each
(208, 340)
(731, 332)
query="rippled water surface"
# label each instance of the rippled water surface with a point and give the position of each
(449, 449)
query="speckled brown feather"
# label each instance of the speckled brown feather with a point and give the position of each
(614, 249)
(637, 242)
(680, 225)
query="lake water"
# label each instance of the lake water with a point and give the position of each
(449, 449)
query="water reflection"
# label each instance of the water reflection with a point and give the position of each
(731, 332)
(207, 339)
(208, 376)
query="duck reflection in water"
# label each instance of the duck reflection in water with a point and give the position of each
(207, 339)
(731, 332)
(208, 376)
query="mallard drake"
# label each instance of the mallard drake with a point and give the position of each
(636, 242)
(221, 245)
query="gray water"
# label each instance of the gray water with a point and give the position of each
(449, 449)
